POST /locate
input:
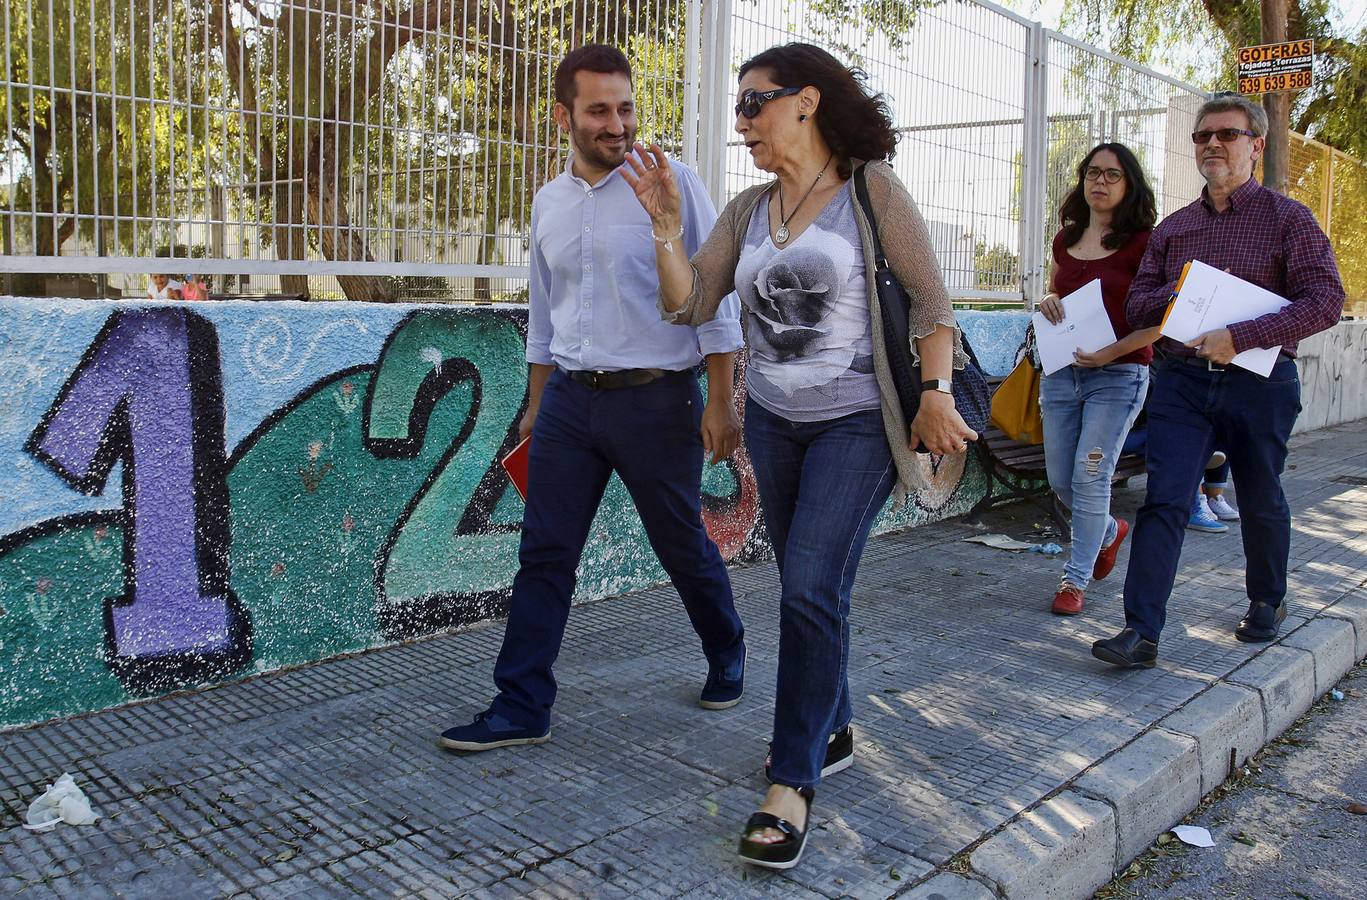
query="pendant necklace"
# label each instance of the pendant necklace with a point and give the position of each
(781, 236)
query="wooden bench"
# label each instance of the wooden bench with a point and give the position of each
(1016, 471)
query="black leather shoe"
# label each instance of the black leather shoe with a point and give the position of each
(1259, 625)
(1128, 650)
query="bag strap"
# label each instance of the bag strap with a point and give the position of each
(880, 261)
(861, 191)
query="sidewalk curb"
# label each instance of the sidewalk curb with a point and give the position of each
(1073, 841)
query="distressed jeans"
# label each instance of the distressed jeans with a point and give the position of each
(1087, 414)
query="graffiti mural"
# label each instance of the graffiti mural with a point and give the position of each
(361, 501)
(148, 393)
(1333, 372)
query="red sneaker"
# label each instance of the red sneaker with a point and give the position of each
(1068, 600)
(1105, 560)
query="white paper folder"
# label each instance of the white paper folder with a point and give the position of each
(1209, 298)
(1085, 326)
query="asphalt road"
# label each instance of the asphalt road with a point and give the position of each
(1283, 829)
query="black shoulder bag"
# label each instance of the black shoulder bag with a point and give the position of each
(971, 396)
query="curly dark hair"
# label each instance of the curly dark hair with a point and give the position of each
(854, 123)
(1137, 211)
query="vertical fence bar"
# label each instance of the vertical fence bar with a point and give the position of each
(714, 90)
(1034, 165)
(691, 84)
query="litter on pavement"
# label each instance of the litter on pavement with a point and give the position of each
(1005, 542)
(1194, 835)
(63, 801)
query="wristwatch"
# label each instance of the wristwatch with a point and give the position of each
(937, 384)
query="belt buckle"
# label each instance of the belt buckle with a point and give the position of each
(1212, 366)
(595, 379)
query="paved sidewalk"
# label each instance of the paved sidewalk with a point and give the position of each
(991, 747)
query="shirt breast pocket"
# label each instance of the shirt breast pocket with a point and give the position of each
(630, 252)
(1183, 248)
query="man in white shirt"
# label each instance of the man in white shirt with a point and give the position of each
(612, 388)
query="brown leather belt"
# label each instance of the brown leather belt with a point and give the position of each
(608, 381)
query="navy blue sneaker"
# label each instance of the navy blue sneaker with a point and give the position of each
(724, 687)
(490, 730)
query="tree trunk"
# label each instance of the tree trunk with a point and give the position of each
(44, 200)
(1277, 152)
(327, 211)
(290, 241)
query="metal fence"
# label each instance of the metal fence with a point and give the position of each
(386, 145)
(1334, 186)
(389, 149)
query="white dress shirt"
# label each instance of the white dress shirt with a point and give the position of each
(593, 293)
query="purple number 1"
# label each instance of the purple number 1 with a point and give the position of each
(149, 392)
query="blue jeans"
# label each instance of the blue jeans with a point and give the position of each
(1087, 414)
(649, 436)
(1192, 411)
(821, 485)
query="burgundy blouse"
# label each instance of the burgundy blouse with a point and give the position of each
(1116, 272)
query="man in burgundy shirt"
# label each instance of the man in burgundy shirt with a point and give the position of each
(1199, 401)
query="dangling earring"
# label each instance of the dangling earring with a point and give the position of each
(802, 118)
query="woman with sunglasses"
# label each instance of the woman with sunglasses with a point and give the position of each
(1088, 407)
(823, 425)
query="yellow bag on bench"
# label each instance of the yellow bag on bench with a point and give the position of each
(1015, 404)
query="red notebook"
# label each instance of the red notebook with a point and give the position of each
(515, 464)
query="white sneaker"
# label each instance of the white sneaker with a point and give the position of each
(1221, 508)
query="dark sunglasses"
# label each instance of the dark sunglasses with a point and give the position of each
(1226, 135)
(752, 101)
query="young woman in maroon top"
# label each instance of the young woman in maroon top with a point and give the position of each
(1088, 407)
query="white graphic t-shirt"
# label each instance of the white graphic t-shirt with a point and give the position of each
(806, 312)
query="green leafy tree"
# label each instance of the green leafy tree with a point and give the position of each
(75, 63)
(427, 110)
(996, 267)
(1150, 30)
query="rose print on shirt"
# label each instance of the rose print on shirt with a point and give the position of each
(793, 299)
(793, 304)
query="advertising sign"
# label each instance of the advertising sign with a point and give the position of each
(1269, 68)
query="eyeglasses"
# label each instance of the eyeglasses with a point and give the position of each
(752, 101)
(1226, 135)
(1110, 176)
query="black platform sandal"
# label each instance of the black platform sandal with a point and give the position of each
(782, 854)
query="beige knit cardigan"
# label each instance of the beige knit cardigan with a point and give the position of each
(906, 243)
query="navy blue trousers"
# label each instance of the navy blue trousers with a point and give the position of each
(1191, 412)
(649, 436)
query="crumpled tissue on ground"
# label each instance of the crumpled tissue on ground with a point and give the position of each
(1003, 542)
(63, 801)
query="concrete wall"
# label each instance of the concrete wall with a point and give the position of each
(1333, 367)
(193, 492)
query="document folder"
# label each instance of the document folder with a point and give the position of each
(515, 464)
